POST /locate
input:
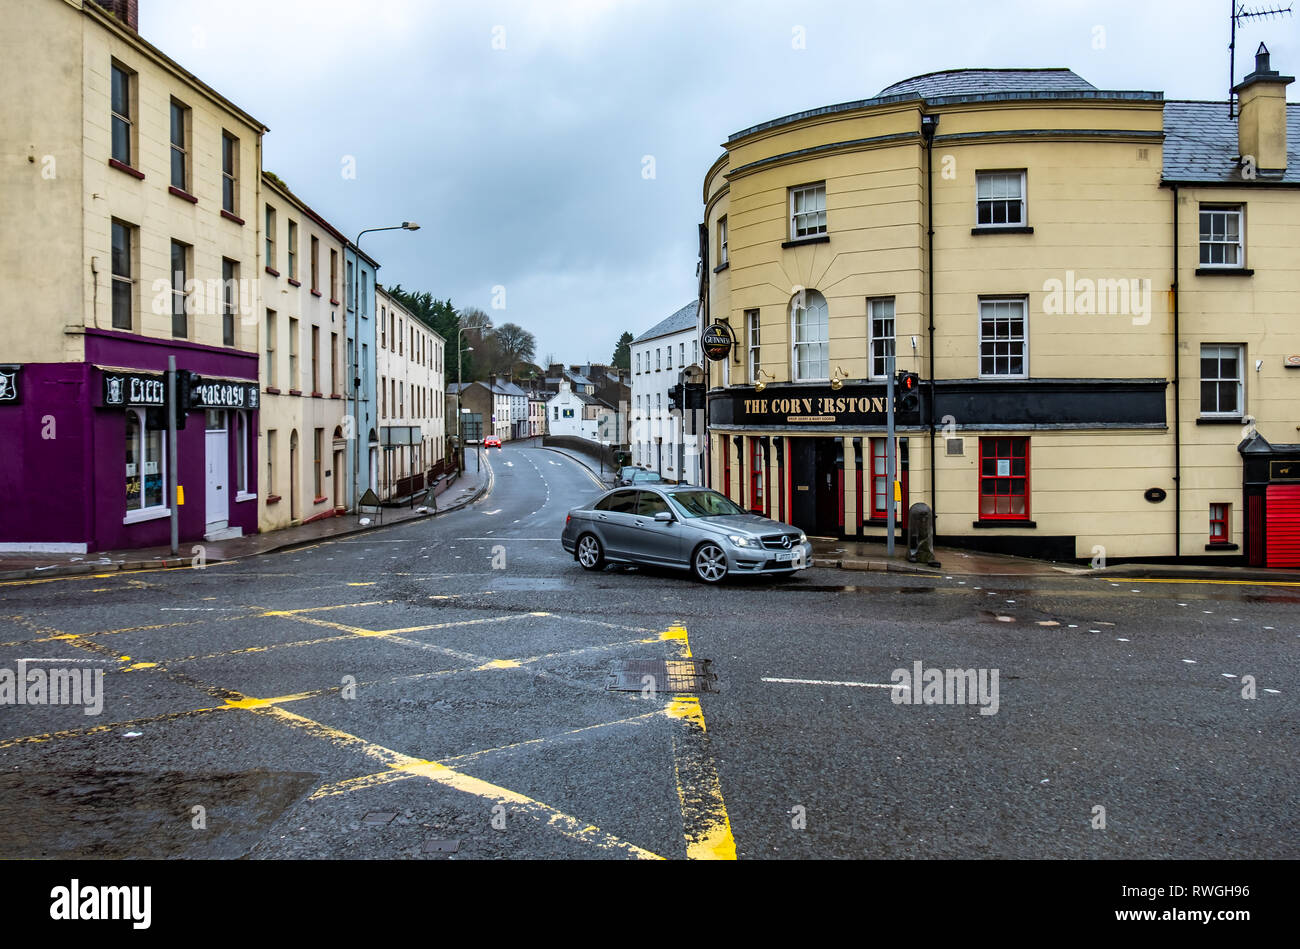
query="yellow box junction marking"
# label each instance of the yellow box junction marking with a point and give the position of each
(699, 789)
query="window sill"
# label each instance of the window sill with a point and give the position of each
(149, 514)
(232, 217)
(1221, 545)
(272, 271)
(295, 392)
(722, 266)
(336, 396)
(800, 241)
(1224, 272)
(273, 499)
(124, 167)
(1224, 420)
(995, 523)
(318, 395)
(182, 194)
(320, 500)
(995, 229)
(272, 390)
(315, 293)
(241, 497)
(294, 283)
(334, 302)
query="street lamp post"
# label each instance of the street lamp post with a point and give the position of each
(356, 351)
(460, 360)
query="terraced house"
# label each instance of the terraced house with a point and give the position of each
(130, 183)
(1097, 288)
(303, 373)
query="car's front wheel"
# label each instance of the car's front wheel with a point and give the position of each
(709, 563)
(589, 553)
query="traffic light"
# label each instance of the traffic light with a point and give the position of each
(185, 383)
(907, 393)
(675, 398)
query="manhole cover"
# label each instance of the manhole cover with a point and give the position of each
(379, 817)
(441, 846)
(661, 675)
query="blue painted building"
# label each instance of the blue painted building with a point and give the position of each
(363, 438)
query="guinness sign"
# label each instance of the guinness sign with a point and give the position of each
(717, 341)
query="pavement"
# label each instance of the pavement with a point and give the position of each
(439, 690)
(464, 490)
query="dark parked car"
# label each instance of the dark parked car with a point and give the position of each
(632, 474)
(682, 526)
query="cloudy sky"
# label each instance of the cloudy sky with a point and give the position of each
(517, 134)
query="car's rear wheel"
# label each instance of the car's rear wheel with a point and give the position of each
(589, 552)
(709, 563)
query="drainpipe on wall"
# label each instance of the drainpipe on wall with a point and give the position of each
(1178, 429)
(929, 123)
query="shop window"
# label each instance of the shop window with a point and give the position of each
(758, 478)
(242, 436)
(1219, 523)
(1004, 479)
(880, 493)
(145, 465)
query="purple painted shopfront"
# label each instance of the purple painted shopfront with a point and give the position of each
(86, 457)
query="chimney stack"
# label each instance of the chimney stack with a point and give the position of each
(128, 11)
(1261, 119)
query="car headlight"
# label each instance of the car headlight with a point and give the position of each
(803, 538)
(740, 541)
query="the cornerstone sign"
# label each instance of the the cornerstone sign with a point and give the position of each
(801, 405)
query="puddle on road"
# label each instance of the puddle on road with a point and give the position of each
(837, 588)
(118, 815)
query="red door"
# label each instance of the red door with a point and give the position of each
(1283, 530)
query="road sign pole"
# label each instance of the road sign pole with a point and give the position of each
(889, 455)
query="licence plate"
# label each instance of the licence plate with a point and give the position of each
(784, 555)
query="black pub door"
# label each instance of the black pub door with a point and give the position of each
(814, 476)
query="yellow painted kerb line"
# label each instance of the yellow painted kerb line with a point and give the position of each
(699, 789)
(1240, 583)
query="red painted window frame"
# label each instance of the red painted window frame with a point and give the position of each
(991, 442)
(1221, 536)
(881, 513)
(758, 474)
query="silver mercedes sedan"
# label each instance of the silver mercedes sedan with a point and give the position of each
(682, 526)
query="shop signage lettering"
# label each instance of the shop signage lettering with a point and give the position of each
(9, 385)
(132, 389)
(1284, 471)
(717, 341)
(815, 406)
(224, 395)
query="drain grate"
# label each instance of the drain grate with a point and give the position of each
(441, 846)
(661, 675)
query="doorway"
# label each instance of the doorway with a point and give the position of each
(815, 484)
(217, 460)
(340, 449)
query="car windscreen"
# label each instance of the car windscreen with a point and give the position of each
(702, 504)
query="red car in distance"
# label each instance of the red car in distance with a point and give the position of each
(492, 442)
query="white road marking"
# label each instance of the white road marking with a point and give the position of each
(497, 511)
(1190, 662)
(860, 685)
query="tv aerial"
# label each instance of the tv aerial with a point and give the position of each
(1242, 13)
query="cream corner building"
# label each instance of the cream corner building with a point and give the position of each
(1101, 320)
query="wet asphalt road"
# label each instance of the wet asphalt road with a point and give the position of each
(395, 694)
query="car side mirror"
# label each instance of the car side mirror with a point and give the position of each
(664, 516)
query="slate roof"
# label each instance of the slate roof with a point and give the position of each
(1201, 143)
(966, 82)
(683, 319)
